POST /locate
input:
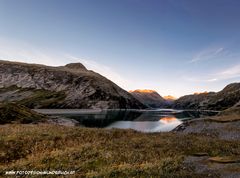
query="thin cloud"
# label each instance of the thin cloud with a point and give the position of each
(203, 79)
(231, 72)
(219, 51)
(208, 54)
(225, 74)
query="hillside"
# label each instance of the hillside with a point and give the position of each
(221, 100)
(70, 86)
(193, 101)
(12, 113)
(149, 97)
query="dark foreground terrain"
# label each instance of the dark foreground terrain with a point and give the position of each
(187, 152)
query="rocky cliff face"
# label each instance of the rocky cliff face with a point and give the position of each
(70, 86)
(221, 100)
(149, 97)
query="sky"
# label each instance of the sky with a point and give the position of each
(175, 47)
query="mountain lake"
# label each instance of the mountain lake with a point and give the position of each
(155, 120)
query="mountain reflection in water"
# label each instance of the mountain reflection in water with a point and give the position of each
(168, 119)
(142, 120)
(163, 125)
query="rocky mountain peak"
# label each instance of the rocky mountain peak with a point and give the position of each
(76, 66)
(149, 97)
(70, 86)
(198, 93)
(169, 97)
(143, 91)
(232, 87)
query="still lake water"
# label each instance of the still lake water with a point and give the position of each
(157, 120)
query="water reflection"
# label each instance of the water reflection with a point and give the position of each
(141, 120)
(168, 119)
(163, 125)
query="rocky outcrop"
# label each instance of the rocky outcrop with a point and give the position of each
(70, 86)
(149, 97)
(221, 100)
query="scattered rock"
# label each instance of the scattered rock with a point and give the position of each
(225, 159)
(200, 154)
(63, 121)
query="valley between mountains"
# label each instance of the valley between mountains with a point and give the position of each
(204, 147)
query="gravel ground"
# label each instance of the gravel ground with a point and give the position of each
(57, 120)
(226, 130)
(219, 130)
(202, 165)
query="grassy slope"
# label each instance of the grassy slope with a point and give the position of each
(228, 115)
(108, 153)
(19, 114)
(39, 98)
(43, 99)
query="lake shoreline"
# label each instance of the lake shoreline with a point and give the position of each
(86, 111)
(157, 120)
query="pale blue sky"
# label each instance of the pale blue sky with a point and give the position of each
(176, 47)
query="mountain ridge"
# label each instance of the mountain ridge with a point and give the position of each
(149, 97)
(224, 99)
(82, 88)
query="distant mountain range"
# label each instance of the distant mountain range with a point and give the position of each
(70, 86)
(152, 99)
(221, 100)
(149, 97)
(73, 86)
(224, 99)
(169, 98)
